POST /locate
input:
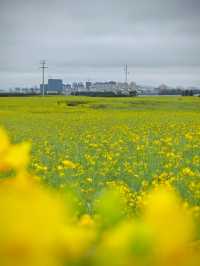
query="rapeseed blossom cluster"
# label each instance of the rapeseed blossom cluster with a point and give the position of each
(40, 227)
(9, 153)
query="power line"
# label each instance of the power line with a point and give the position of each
(43, 67)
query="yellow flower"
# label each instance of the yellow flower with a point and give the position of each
(86, 220)
(18, 156)
(69, 164)
(30, 227)
(89, 180)
(60, 167)
(188, 172)
(188, 136)
(77, 242)
(172, 224)
(4, 141)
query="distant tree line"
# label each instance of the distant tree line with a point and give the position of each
(105, 94)
(178, 92)
(170, 92)
(17, 94)
(188, 93)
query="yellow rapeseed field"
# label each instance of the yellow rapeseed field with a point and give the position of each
(100, 181)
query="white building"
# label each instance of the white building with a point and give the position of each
(112, 86)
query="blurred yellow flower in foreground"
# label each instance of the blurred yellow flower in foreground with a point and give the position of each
(86, 220)
(171, 224)
(4, 140)
(18, 156)
(14, 156)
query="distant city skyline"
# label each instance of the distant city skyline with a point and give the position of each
(149, 77)
(93, 40)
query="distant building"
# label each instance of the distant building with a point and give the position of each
(54, 86)
(88, 85)
(115, 87)
(68, 86)
(74, 85)
(78, 86)
(161, 89)
(67, 89)
(103, 86)
(81, 86)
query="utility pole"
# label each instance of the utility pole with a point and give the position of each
(126, 73)
(43, 67)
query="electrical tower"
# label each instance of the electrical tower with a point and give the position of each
(43, 67)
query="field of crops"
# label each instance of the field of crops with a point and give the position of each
(107, 182)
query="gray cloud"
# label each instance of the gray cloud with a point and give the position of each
(158, 39)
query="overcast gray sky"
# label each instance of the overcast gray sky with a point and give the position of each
(92, 40)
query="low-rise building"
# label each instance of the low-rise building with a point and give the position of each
(54, 86)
